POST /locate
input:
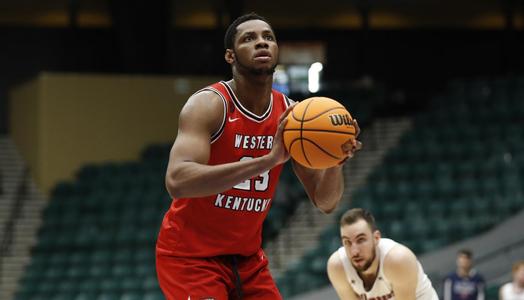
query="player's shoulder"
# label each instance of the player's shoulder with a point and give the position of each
(335, 268)
(398, 256)
(335, 263)
(204, 109)
(478, 277)
(205, 97)
(206, 102)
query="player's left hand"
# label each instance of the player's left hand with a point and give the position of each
(353, 145)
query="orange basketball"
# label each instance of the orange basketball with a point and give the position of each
(315, 131)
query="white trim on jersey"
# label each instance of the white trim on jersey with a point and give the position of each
(248, 114)
(288, 101)
(219, 131)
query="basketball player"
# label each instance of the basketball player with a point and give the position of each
(514, 290)
(465, 283)
(223, 169)
(370, 267)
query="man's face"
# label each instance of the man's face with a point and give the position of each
(464, 262)
(360, 244)
(519, 275)
(255, 48)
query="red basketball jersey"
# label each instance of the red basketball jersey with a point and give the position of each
(229, 222)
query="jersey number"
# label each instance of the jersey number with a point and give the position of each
(260, 182)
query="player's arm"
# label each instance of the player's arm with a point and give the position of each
(337, 276)
(481, 290)
(325, 187)
(188, 174)
(501, 294)
(447, 288)
(401, 269)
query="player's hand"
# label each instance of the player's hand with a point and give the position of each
(278, 154)
(353, 145)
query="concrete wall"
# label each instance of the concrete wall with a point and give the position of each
(63, 121)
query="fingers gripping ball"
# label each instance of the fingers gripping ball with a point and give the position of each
(315, 131)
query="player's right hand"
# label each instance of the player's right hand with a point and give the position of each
(278, 154)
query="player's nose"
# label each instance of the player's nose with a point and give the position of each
(261, 43)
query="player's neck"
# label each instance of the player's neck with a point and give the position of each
(519, 286)
(463, 272)
(370, 275)
(254, 93)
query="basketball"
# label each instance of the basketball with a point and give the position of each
(315, 131)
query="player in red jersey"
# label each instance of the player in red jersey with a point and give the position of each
(222, 173)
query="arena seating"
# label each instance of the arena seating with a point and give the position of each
(457, 173)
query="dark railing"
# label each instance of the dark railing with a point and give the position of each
(492, 254)
(16, 209)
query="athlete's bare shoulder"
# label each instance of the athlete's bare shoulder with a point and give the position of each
(335, 267)
(399, 259)
(204, 107)
(337, 276)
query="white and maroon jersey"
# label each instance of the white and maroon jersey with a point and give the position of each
(229, 222)
(382, 288)
(509, 292)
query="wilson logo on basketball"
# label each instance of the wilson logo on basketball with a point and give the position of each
(339, 120)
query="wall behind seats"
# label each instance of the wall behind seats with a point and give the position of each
(61, 121)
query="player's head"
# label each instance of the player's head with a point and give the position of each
(360, 237)
(518, 273)
(251, 45)
(464, 260)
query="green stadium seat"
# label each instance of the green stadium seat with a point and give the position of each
(123, 269)
(100, 271)
(110, 285)
(131, 283)
(85, 296)
(150, 283)
(154, 295)
(397, 230)
(418, 227)
(89, 284)
(131, 296)
(108, 296)
(63, 296)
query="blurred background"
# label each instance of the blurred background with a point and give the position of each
(90, 93)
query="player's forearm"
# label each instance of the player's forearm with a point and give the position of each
(191, 179)
(329, 189)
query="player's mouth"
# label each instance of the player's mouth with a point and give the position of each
(263, 56)
(358, 260)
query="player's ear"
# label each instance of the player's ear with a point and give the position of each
(229, 56)
(377, 235)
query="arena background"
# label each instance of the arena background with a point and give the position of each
(90, 93)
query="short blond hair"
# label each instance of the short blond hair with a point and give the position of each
(517, 266)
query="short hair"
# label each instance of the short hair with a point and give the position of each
(516, 266)
(229, 38)
(353, 215)
(466, 252)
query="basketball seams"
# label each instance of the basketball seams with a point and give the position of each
(301, 130)
(321, 130)
(321, 113)
(315, 144)
(322, 149)
(316, 134)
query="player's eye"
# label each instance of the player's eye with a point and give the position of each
(270, 38)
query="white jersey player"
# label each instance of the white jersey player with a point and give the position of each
(369, 267)
(514, 290)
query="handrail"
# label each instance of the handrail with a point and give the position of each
(489, 255)
(7, 237)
